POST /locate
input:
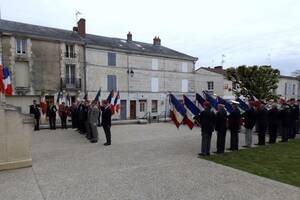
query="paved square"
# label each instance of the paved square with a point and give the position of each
(153, 161)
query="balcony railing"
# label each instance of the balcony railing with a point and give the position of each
(70, 55)
(70, 83)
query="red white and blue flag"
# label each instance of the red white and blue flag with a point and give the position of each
(111, 99)
(178, 113)
(97, 98)
(6, 87)
(226, 104)
(191, 111)
(213, 102)
(242, 104)
(117, 103)
(201, 101)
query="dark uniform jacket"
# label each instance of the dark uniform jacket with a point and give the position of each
(295, 112)
(52, 111)
(234, 120)
(262, 120)
(207, 121)
(35, 110)
(285, 116)
(250, 118)
(221, 120)
(273, 117)
(106, 116)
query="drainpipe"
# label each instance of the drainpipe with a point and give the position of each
(84, 68)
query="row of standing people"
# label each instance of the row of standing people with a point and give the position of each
(276, 121)
(85, 117)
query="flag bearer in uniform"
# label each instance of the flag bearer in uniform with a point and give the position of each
(62, 111)
(207, 122)
(273, 123)
(234, 124)
(106, 121)
(221, 128)
(52, 115)
(262, 123)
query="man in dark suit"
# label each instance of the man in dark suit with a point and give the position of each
(207, 122)
(106, 121)
(221, 128)
(35, 111)
(52, 115)
(262, 123)
(249, 122)
(234, 124)
(273, 122)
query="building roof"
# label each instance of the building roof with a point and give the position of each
(218, 70)
(39, 31)
(290, 77)
(108, 42)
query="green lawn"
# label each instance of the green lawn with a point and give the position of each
(279, 161)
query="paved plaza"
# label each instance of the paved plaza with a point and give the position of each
(152, 161)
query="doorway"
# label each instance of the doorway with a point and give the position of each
(132, 109)
(123, 109)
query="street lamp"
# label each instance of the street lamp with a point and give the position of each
(131, 72)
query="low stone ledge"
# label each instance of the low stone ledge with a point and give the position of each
(16, 164)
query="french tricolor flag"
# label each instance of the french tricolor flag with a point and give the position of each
(191, 111)
(5, 85)
(201, 101)
(117, 103)
(227, 105)
(178, 112)
(242, 104)
(111, 100)
(213, 102)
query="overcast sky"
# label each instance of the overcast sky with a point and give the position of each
(250, 32)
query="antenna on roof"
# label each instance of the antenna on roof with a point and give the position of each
(223, 60)
(77, 13)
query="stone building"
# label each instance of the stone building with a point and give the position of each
(288, 87)
(42, 62)
(220, 85)
(143, 73)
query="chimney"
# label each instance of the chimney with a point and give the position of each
(129, 37)
(75, 28)
(81, 27)
(156, 41)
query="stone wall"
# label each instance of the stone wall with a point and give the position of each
(15, 139)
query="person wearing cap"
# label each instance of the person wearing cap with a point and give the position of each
(62, 111)
(207, 122)
(221, 128)
(234, 123)
(294, 118)
(249, 122)
(106, 121)
(93, 118)
(262, 123)
(35, 111)
(273, 123)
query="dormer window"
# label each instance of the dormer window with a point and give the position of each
(21, 46)
(69, 51)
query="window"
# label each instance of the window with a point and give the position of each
(294, 89)
(210, 85)
(184, 67)
(111, 82)
(154, 64)
(21, 46)
(285, 88)
(154, 106)
(184, 85)
(111, 59)
(69, 51)
(70, 74)
(143, 105)
(154, 84)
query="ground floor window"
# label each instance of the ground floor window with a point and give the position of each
(143, 105)
(154, 106)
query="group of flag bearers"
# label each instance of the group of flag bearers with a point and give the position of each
(216, 114)
(85, 115)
